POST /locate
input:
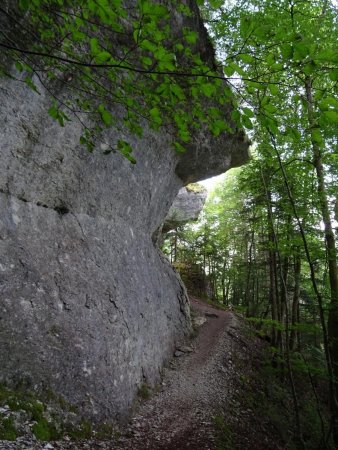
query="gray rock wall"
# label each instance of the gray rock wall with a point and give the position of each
(89, 308)
(186, 207)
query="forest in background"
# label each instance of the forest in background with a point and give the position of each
(265, 244)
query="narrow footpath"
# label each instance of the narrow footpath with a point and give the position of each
(194, 390)
(203, 401)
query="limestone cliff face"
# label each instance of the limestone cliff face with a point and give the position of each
(89, 307)
(186, 207)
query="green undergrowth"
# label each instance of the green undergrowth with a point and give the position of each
(23, 403)
(8, 430)
(224, 438)
(51, 416)
(263, 412)
(143, 392)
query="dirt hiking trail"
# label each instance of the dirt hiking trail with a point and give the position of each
(202, 401)
(194, 389)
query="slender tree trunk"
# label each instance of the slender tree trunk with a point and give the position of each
(287, 353)
(285, 261)
(223, 281)
(214, 281)
(175, 255)
(248, 275)
(273, 296)
(272, 269)
(295, 302)
(227, 291)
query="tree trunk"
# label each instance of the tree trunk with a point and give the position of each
(248, 275)
(295, 303)
(223, 281)
(273, 296)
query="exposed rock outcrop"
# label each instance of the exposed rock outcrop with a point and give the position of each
(89, 307)
(186, 207)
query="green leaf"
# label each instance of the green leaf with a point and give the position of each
(177, 91)
(24, 4)
(247, 122)
(317, 136)
(274, 89)
(229, 70)
(146, 61)
(246, 58)
(270, 108)
(302, 50)
(53, 112)
(145, 44)
(155, 116)
(328, 102)
(296, 134)
(191, 37)
(270, 124)
(333, 75)
(30, 83)
(137, 33)
(214, 113)
(246, 26)
(78, 36)
(254, 84)
(179, 147)
(286, 51)
(248, 112)
(102, 57)
(218, 126)
(293, 133)
(331, 116)
(236, 117)
(105, 115)
(94, 46)
(216, 3)
(124, 146)
(263, 32)
(19, 66)
(208, 89)
(184, 135)
(327, 55)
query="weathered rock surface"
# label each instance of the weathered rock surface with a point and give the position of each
(186, 207)
(89, 308)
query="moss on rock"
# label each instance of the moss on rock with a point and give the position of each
(195, 187)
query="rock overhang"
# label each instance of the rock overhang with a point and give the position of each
(186, 207)
(76, 250)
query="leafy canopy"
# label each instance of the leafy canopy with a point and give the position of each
(110, 63)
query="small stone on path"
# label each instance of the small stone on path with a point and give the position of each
(211, 315)
(198, 321)
(185, 349)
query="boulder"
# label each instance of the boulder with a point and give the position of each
(186, 207)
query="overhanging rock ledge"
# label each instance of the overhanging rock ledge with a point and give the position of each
(89, 307)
